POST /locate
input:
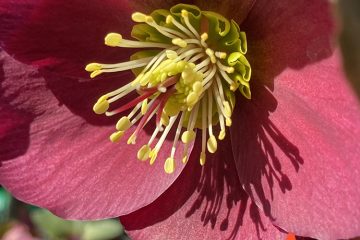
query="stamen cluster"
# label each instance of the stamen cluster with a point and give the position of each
(188, 77)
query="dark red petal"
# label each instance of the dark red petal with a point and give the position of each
(68, 164)
(231, 9)
(63, 36)
(297, 148)
(203, 203)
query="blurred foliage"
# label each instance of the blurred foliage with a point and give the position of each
(348, 12)
(19, 221)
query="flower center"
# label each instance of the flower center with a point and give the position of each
(193, 66)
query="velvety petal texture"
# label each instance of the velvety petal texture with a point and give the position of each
(296, 147)
(68, 164)
(63, 36)
(203, 203)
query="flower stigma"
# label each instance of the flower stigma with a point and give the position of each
(186, 78)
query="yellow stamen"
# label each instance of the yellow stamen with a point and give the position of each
(212, 144)
(221, 135)
(101, 106)
(96, 73)
(179, 42)
(153, 155)
(187, 76)
(169, 165)
(93, 67)
(188, 136)
(138, 17)
(116, 136)
(132, 139)
(202, 158)
(113, 39)
(143, 153)
(123, 124)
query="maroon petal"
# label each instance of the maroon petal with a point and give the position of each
(231, 9)
(203, 203)
(68, 164)
(63, 36)
(297, 148)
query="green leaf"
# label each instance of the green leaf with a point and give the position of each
(5, 205)
(99, 230)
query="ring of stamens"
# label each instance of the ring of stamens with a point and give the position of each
(187, 79)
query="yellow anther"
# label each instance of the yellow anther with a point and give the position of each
(169, 19)
(191, 65)
(123, 124)
(153, 155)
(93, 67)
(138, 17)
(169, 165)
(145, 79)
(234, 86)
(227, 109)
(230, 69)
(170, 54)
(188, 136)
(101, 106)
(149, 19)
(137, 79)
(188, 75)
(116, 136)
(179, 42)
(132, 139)
(192, 98)
(144, 152)
(202, 158)
(180, 66)
(185, 158)
(204, 37)
(211, 54)
(96, 73)
(221, 55)
(212, 144)
(228, 122)
(144, 106)
(113, 39)
(197, 87)
(184, 13)
(222, 135)
(164, 119)
(171, 109)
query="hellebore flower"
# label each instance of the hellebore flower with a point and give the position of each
(289, 158)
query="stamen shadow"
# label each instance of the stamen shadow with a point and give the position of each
(287, 44)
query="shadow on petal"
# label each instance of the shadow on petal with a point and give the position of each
(79, 97)
(286, 139)
(205, 202)
(254, 141)
(14, 124)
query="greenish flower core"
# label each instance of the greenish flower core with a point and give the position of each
(193, 64)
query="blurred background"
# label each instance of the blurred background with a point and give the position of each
(20, 221)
